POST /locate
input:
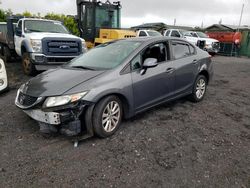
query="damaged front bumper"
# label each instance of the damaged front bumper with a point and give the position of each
(52, 118)
(65, 120)
(69, 120)
(72, 119)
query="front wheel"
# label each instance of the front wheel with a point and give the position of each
(199, 89)
(28, 66)
(107, 116)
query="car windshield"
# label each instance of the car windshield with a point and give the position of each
(202, 35)
(106, 56)
(153, 33)
(44, 26)
(188, 34)
(183, 32)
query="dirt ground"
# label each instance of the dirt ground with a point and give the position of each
(179, 144)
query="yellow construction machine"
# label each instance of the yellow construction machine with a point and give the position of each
(100, 22)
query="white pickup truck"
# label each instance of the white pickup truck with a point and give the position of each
(41, 43)
(211, 45)
(148, 33)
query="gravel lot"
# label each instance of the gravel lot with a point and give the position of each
(179, 144)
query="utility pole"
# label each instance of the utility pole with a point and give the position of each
(174, 21)
(241, 16)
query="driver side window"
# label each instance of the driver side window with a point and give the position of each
(19, 26)
(175, 34)
(142, 34)
(158, 51)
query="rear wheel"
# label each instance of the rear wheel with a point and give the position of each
(28, 67)
(107, 116)
(199, 89)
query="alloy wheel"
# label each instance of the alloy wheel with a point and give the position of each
(200, 88)
(111, 116)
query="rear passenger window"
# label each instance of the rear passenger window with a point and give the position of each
(180, 50)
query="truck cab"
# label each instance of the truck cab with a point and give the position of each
(44, 44)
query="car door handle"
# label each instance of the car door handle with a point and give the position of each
(170, 70)
(195, 61)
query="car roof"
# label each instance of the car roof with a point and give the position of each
(152, 39)
(38, 19)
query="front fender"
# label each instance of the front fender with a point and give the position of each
(26, 44)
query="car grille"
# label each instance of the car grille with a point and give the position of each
(58, 59)
(62, 47)
(216, 45)
(26, 100)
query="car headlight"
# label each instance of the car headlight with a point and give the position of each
(36, 45)
(62, 100)
(208, 45)
(84, 47)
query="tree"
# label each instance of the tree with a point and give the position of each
(68, 21)
(27, 14)
(8, 12)
(2, 16)
(71, 24)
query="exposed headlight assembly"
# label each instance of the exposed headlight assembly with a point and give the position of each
(62, 100)
(36, 45)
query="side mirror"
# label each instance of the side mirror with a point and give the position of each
(18, 32)
(148, 63)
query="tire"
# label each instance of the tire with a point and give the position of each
(6, 54)
(105, 122)
(199, 89)
(28, 67)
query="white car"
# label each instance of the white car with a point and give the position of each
(3, 77)
(148, 33)
(211, 45)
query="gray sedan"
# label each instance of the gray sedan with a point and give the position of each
(94, 92)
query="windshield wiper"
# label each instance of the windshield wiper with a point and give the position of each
(82, 67)
(32, 30)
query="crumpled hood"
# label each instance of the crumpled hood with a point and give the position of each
(57, 81)
(41, 35)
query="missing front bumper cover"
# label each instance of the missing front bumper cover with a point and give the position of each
(52, 118)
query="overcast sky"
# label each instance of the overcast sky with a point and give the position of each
(186, 12)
